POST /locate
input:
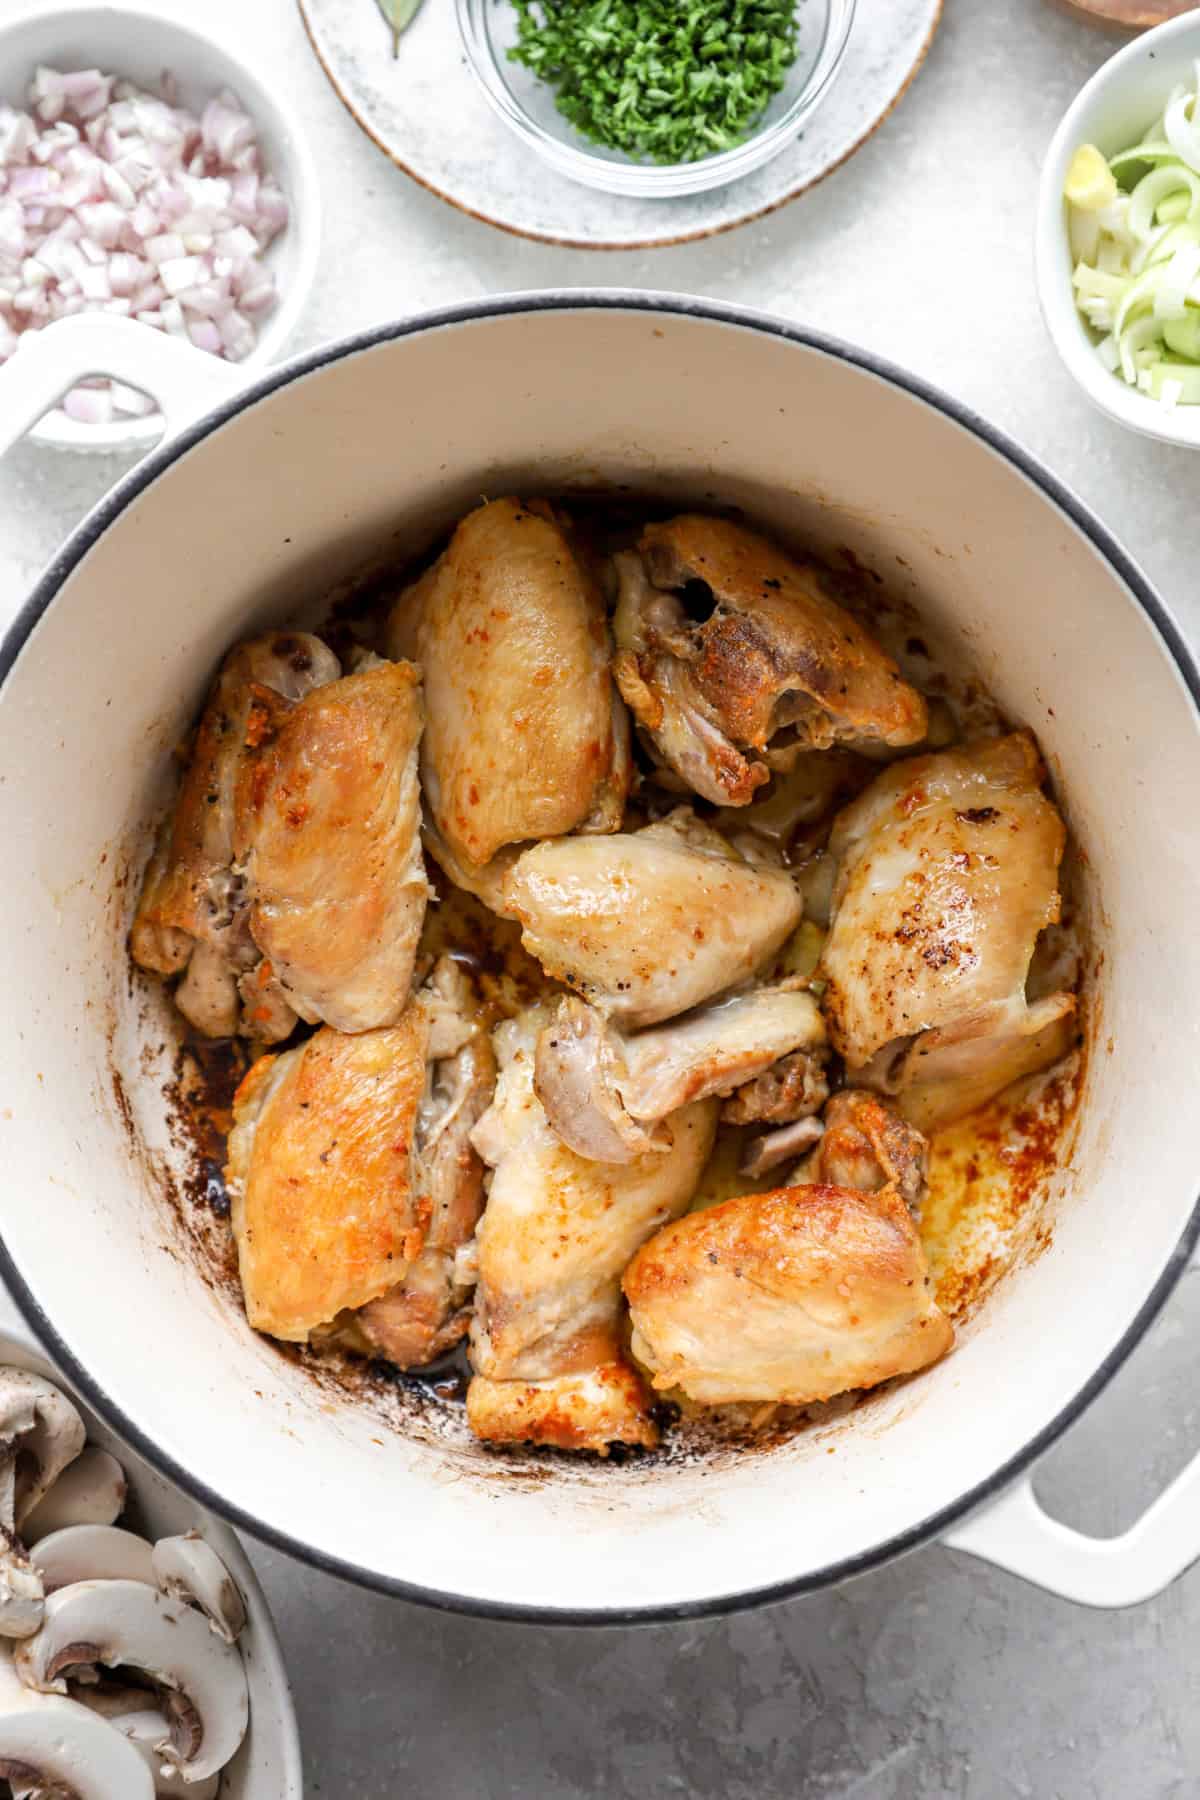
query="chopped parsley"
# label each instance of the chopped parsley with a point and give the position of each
(666, 81)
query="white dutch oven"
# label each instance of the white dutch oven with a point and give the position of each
(369, 447)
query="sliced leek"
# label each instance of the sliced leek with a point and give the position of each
(1134, 227)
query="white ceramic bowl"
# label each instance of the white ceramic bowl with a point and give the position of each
(1112, 112)
(140, 43)
(527, 106)
(267, 1767)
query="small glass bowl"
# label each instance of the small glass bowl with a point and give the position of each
(527, 105)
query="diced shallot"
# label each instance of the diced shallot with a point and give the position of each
(117, 200)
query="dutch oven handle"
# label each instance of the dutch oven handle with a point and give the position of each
(185, 382)
(1016, 1534)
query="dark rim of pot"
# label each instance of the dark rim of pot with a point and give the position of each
(588, 300)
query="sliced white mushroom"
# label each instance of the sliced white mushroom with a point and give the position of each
(189, 1569)
(51, 1747)
(127, 1624)
(145, 1729)
(112, 1700)
(93, 1553)
(45, 1430)
(40, 1432)
(132, 1712)
(92, 1492)
(20, 1585)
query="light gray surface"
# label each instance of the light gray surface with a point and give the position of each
(937, 1676)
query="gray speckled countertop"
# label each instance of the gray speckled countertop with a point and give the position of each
(938, 1676)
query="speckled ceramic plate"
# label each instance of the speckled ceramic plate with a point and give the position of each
(425, 110)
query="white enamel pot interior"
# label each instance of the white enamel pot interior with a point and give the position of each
(267, 1767)
(374, 446)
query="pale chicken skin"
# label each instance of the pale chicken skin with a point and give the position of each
(556, 1234)
(651, 923)
(947, 870)
(328, 822)
(792, 1296)
(605, 1093)
(527, 738)
(192, 913)
(778, 654)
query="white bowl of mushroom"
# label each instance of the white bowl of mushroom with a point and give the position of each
(137, 1654)
(761, 792)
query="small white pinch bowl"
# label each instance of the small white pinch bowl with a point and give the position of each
(139, 43)
(1112, 111)
(268, 1765)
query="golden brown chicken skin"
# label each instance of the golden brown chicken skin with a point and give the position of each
(601, 1406)
(320, 1173)
(778, 651)
(328, 832)
(792, 1296)
(527, 738)
(947, 871)
(355, 1184)
(192, 914)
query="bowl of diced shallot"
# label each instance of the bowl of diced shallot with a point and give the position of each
(146, 172)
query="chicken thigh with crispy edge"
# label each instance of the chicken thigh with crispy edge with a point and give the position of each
(791, 1296)
(354, 1183)
(192, 914)
(527, 737)
(777, 654)
(327, 829)
(606, 1095)
(947, 870)
(650, 923)
(556, 1234)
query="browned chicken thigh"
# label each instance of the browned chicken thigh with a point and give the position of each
(556, 1234)
(354, 1184)
(791, 1296)
(947, 870)
(192, 914)
(777, 666)
(527, 738)
(650, 923)
(320, 1175)
(328, 833)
